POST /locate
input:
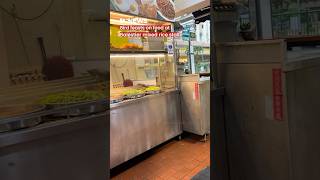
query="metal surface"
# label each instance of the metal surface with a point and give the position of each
(23, 123)
(68, 149)
(303, 89)
(258, 145)
(218, 157)
(195, 110)
(90, 108)
(139, 125)
(19, 110)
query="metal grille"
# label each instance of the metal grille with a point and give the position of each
(293, 24)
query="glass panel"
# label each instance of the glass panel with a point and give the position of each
(131, 72)
(167, 72)
(202, 59)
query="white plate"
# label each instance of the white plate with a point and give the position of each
(124, 6)
(148, 1)
(135, 4)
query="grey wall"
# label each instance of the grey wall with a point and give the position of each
(4, 76)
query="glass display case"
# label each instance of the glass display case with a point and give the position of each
(144, 100)
(137, 75)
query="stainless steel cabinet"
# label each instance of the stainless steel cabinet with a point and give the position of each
(195, 104)
(271, 110)
(140, 125)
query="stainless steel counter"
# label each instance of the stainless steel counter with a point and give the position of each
(139, 125)
(65, 149)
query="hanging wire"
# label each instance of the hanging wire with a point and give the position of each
(22, 41)
(28, 19)
(15, 17)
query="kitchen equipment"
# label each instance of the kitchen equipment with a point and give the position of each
(56, 67)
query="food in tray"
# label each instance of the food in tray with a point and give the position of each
(128, 46)
(131, 46)
(133, 93)
(152, 88)
(73, 97)
(166, 9)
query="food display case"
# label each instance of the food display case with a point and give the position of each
(144, 103)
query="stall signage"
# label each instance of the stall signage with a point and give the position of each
(155, 9)
(192, 36)
(185, 35)
(277, 94)
(196, 91)
(170, 48)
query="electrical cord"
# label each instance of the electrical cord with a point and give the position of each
(16, 17)
(22, 41)
(28, 19)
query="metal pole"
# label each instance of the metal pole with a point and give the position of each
(299, 16)
(213, 55)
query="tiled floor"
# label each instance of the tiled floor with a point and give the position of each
(173, 161)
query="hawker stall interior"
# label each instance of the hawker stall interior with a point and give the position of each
(159, 105)
(159, 89)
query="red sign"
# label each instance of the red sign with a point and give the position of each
(196, 91)
(277, 94)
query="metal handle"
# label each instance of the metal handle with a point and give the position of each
(43, 50)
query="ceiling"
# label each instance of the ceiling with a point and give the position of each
(188, 6)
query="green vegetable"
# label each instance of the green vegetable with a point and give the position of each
(132, 92)
(73, 97)
(152, 88)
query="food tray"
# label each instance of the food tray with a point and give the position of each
(153, 92)
(19, 111)
(89, 107)
(117, 100)
(134, 96)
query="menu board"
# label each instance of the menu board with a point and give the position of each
(155, 9)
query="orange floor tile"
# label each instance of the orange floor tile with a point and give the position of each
(174, 161)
